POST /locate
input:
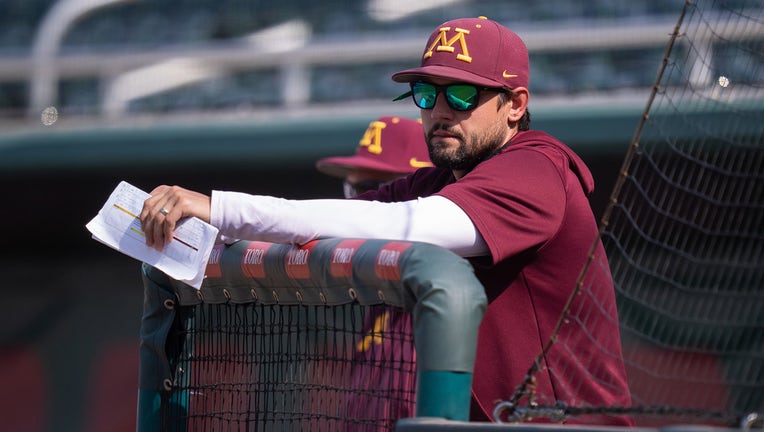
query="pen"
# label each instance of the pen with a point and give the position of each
(119, 207)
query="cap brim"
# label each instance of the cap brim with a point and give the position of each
(446, 72)
(339, 166)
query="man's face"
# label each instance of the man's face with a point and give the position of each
(459, 140)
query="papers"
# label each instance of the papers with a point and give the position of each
(184, 258)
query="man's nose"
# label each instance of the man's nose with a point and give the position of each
(441, 110)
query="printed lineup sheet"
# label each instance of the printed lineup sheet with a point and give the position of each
(118, 225)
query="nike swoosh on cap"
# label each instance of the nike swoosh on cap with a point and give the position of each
(414, 162)
(506, 75)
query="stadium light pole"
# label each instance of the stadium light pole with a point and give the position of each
(44, 82)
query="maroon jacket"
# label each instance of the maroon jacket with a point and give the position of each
(529, 202)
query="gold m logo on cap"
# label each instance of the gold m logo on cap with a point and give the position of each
(372, 138)
(443, 44)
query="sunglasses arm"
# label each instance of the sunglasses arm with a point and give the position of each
(403, 96)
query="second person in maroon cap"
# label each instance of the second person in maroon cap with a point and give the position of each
(390, 148)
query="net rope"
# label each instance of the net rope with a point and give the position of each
(684, 237)
(291, 367)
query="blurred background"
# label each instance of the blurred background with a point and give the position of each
(238, 95)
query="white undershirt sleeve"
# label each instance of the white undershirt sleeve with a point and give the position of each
(433, 219)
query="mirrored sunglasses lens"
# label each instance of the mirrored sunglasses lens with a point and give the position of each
(424, 95)
(462, 97)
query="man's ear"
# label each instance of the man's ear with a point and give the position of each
(519, 103)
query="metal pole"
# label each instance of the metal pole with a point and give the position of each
(43, 86)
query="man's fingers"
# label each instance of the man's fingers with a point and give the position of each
(157, 233)
(156, 216)
(166, 206)
(169, 225)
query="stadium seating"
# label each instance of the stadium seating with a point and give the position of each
(143, 26)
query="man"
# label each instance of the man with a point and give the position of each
(511, 200)
(391, 148)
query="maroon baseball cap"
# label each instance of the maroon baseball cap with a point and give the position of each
(473, 50)
(390, 144)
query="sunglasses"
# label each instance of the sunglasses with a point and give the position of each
(460, 97)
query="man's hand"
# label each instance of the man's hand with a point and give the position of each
(166, 206)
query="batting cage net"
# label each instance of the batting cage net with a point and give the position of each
(292, 367)
(318, 337)
(684, 238)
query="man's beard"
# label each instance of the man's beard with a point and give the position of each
(472, 149)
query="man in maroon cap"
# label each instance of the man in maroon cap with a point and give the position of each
(391, 148)
(511, 200)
